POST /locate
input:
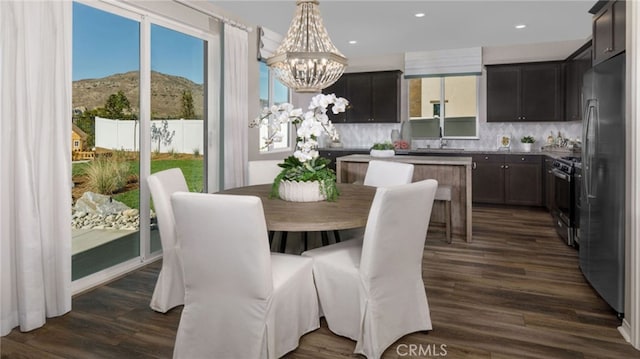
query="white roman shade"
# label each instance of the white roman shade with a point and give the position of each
(443, 62)
(268, 42)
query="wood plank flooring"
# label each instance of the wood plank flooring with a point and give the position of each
(515, 292)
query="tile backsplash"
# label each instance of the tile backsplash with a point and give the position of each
(365, 135)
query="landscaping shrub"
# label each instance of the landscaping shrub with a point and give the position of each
(107, 175)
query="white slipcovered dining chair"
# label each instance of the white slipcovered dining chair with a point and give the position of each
(381, 174)
(263, 172)
(371, 289)
(169, 290)
(241, 301)
(388, 173)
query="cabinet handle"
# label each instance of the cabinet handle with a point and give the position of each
(473, 165)
(523, 159)
(608, 49)
(549, 172)
(501, 166)
(506, 166)
(486, 157)
(524, 117)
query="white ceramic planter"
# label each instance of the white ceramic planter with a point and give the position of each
(301, 191)
(382, 153)
(526, 147)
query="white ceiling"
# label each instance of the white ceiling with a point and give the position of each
(390, 27)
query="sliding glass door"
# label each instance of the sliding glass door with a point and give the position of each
(106, 168)
(177, 108)
(140, 85)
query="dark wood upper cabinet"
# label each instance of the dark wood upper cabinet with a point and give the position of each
(609, 31)
(373, 97)
(575, 67)
(525, 92)
(359, 96)
(503, 93)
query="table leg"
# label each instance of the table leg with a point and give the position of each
(336, 236)
(325, 238)
(283, 241)
(304, 238)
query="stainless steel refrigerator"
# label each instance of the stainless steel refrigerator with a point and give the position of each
(603, 187)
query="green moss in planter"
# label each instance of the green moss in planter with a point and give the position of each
(313, 170)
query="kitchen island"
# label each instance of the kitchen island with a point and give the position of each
(452, 171)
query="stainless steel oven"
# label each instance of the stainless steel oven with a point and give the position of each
(563, 207)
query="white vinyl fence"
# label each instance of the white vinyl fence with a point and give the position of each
(125, 135)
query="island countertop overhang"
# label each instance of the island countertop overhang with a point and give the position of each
(452, 171)
(416, 160)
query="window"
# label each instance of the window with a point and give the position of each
(76, 144)
(272, 92)
(444, 106)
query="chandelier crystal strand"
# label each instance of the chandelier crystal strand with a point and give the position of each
(307, 60)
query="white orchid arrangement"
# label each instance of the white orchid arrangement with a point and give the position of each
(309, 125)
(306, 164)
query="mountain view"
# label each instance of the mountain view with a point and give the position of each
(166, 93)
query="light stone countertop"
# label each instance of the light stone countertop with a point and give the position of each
(420, 160)
(462, 152)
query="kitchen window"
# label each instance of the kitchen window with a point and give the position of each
(272, 92)
(444, 106)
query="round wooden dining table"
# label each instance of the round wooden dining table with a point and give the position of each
(350, 210)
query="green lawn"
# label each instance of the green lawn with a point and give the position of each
(78, 168)
(191, 168)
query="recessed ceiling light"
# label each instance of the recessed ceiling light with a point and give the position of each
(420, 14)
(521, 26)
(353, 42)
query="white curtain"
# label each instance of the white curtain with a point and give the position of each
(268, 42)
(236, 117)
(35, 152)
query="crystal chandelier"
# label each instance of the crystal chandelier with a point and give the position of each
(307, 60)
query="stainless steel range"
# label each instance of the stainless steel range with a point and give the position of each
(564, 206)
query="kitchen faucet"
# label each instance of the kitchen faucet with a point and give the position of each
(443, 142)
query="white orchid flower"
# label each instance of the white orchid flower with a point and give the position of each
(310, 125)
(340, 105)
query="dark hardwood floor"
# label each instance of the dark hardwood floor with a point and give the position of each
(515, 292)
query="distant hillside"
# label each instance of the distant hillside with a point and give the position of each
(166, 93)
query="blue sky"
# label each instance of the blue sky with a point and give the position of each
(105, 44)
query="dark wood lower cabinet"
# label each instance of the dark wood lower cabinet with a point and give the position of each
(523, 180)
(507, 179)
(488, 179)
(333, 154)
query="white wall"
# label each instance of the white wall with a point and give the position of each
(124, 134)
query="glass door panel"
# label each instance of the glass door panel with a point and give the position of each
(177, 108)
(105, 168)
